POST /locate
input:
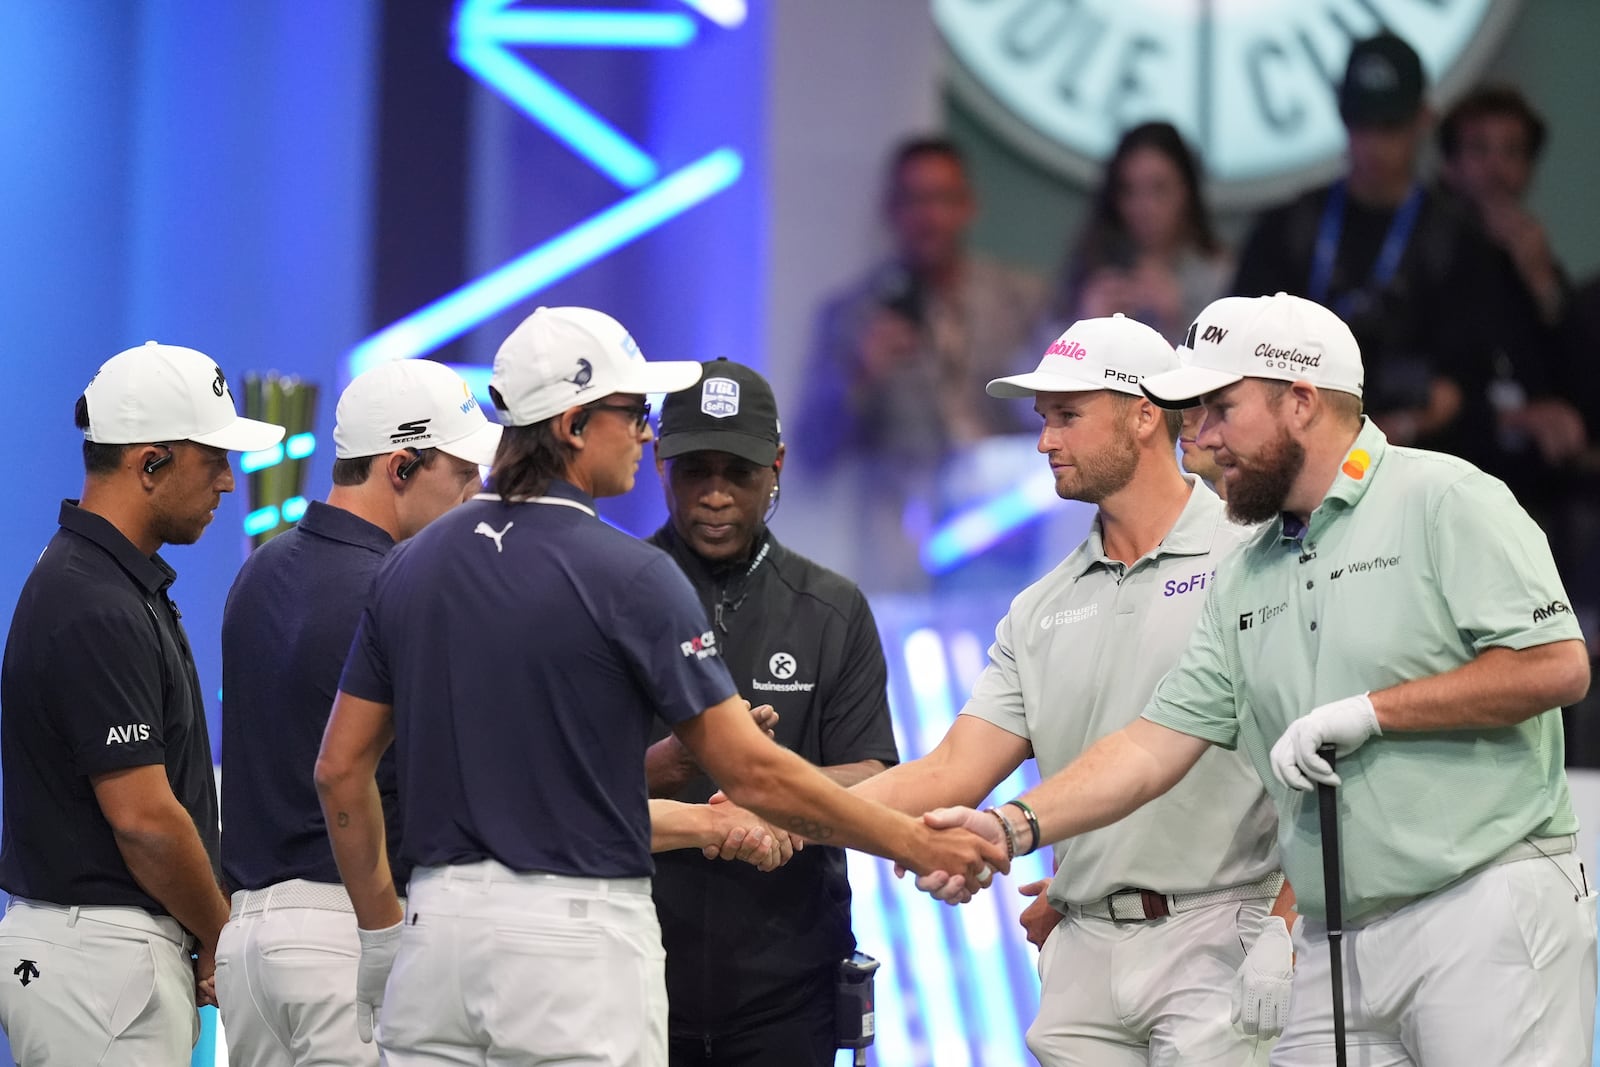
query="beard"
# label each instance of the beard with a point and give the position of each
(1261, 488)
(1103, 473)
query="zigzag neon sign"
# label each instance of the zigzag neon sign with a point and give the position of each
(485, 32)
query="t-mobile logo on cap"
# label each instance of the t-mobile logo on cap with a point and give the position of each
(1071, 350)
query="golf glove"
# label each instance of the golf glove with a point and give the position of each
(1345, 724)
(378, 949)
(1261, 986)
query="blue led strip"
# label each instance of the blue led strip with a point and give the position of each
(299, 446)
(485, 32)
(970, 532)
(452, 315)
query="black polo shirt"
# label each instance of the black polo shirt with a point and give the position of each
(287, 627)
(527, 649)
(98, 676)
(743, 947)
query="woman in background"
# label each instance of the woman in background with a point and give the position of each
(1148, 248)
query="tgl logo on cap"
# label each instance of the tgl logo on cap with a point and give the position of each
(1071, 350)
(719, 397)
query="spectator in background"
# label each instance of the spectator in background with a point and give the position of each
(900, 359)
(1401, 265)
(1148, 248)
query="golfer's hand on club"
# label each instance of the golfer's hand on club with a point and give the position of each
(1261, 985)
(1345, 724)
(958, 888)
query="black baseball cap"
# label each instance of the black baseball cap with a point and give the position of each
(732, 410)
(1383, 83)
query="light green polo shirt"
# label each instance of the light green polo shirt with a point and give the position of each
(1414, 563)
(1078, 657)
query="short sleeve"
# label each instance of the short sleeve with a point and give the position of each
(997, 695)
(366, 668)
(1495, 569)
(104, 671)
(1197, 696)
(663, 634)
(856, 724)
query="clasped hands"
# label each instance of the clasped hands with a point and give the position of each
(962, 885)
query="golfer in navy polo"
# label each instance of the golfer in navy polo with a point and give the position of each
(409, 439)
(516, 652)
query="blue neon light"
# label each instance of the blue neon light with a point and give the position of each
(582, 28)
(261, 520)
(970, 532)
(250, 462)
(452, 315)
(300, 445)
(294, 508)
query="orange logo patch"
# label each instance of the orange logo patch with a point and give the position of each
(1356, 464)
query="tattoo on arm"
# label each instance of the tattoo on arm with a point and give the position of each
(344, 818)
(809, 829)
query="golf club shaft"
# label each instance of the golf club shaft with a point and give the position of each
(1327, 803)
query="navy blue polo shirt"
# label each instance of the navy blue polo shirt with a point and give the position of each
(527, 649)
(98, 677)
(288, 624)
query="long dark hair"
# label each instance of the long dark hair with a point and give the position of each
(1104, 237)
(528, 459)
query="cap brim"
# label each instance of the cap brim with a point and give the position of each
(241, 435)
(1183, 388)
(667, 376)
(478, 447)
(1034, 382)
(757, 450)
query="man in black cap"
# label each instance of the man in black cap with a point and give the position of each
(752, 957)
(1404, 267)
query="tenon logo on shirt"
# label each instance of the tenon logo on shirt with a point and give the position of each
(1550, 611)
(1263, 615)
(700, 647)
(126, 735)
(719, 397)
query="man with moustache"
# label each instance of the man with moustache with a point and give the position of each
(110, 849)
(1150, 921)
(752, 958)
(1400, 606)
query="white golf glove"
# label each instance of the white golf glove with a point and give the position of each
(1261, 987)
(1345, 724)
(378, 948)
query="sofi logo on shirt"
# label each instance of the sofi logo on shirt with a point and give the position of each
(1179, 586)
(700, 647)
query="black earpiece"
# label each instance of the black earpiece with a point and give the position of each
(407, 468)
(579, 421)
(155, 463)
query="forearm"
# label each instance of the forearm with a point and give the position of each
(1115, 777)
(1283, 907)
(170, 863)
(675, 825)
(668, 767)
(790, 793)
(1499, 687)
(849, 774)
(922, 785)
(353, 809)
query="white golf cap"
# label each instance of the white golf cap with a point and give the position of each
(412, 403)
(1286, 338)
(159, 393)
(1115, 353)
(558, 358)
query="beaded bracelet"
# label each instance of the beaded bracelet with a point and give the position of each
(1033, 825)
(1011, 835)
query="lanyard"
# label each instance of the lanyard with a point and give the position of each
(728, 602)
(1383, 268)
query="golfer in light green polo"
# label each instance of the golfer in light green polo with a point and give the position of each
(1401, 606)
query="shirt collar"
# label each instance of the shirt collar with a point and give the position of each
(695, 565)
(1192, 535)
(337, 524)
(1356, 471)
(564, 493)
(151, 572)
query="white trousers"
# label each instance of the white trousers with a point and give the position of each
(1155, 993)
(106, 986)
(286, 982)
(499, 969)
(1495, 970)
